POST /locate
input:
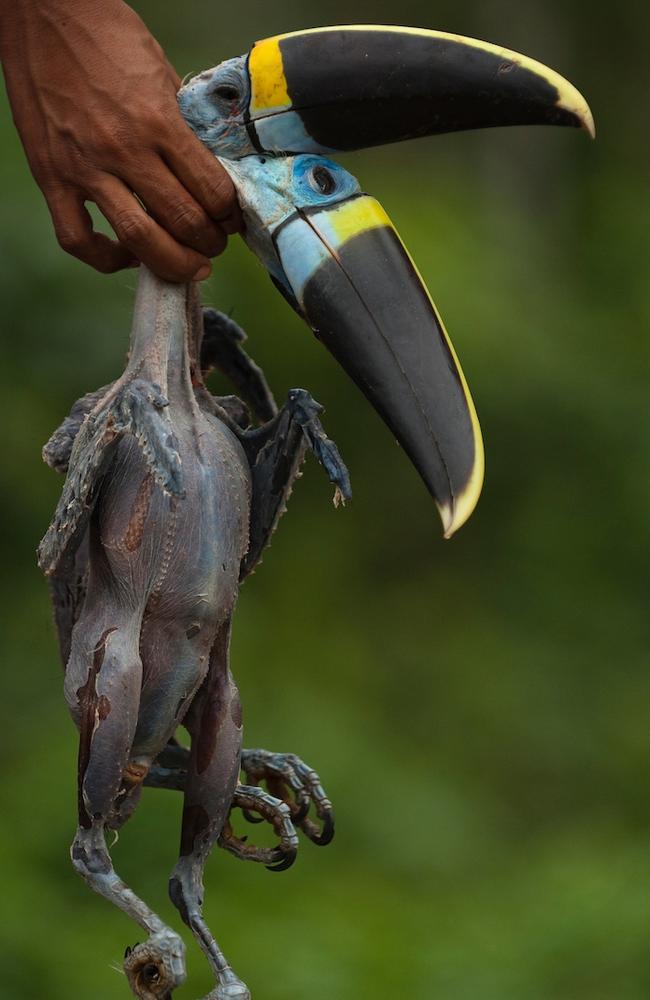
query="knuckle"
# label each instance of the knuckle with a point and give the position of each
(154, 121)
(221, 192)
(108, 146)
(187, 217)
(72, 242)
(131, 227)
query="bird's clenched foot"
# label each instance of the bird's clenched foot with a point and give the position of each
(251, 799)
(304, 409)
(156, 967)
(289, 779)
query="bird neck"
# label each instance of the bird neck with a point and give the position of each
(166, 337)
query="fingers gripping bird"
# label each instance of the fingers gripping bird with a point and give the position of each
(171, 494)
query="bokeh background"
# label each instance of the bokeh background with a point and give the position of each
(478, 709)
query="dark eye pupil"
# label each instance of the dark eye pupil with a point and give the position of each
(323, 180)
(227, 92)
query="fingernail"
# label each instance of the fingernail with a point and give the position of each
(202, 273)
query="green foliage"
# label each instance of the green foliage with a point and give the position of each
(478, 709)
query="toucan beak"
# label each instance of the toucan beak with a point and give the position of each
(358, 289)
(343, 88)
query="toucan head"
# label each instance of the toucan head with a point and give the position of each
(331, 249)
(342, 88)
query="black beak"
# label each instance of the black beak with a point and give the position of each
(358, 289)
(344, 88)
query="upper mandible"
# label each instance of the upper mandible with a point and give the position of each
(349, 87)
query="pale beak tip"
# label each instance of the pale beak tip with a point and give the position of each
(588, 124)
(582, 112)
(571, 100)
(454, 514)
(448, 520)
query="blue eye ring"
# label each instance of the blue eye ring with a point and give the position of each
(319, 181)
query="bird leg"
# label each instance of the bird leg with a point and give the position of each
(102, 685)
(214, 724)
(156, 967)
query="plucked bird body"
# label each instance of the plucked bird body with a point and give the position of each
(172, 494)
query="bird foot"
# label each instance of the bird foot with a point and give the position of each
(251, 799)
(293, 782)
(293, 788)
(157, 967)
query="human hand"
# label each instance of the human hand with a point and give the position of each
(94, 100)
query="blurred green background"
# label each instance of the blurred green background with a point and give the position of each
(478, 709)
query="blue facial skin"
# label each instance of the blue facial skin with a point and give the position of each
(214, 103)
(273, 189)
(270, 189)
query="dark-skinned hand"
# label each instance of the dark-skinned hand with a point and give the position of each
(94, 100)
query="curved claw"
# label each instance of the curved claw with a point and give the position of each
(286, 862)
(248, 816)
(323, 836)
(301, 811)
(276, 812)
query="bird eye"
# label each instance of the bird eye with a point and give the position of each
(227, 92)
(321, 180)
